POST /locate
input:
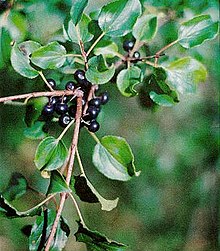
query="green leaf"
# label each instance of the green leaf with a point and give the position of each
(70, 32)
(51, 154)
(184, 74)
(118, 18)
(195, 31)
(86, 192)
(96, 241)
(145, 28)
(17, 25)
(98, 72)
(127, 79)
(35, 131)
(5, 48)
(57, 183)
(41, 231)
(50, 56)
(17, 187)
(20, 58)
(113, 158)
(33, 110)
(108, 49)
(77, 9)
(7, 210)
(162, 99)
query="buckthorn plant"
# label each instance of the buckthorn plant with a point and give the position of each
(62, 64)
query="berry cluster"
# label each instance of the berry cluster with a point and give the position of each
(65, 108)
(128, 45)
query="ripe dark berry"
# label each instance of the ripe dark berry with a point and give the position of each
(79, 76)
(4, 4)
(95, 102)
(48, 110)
(136, 55)
(51, 82)
(104, 98)
(70, 86)
(64, 120)
(92, 112)
(64, 99)
(61, 108)
(72, 110)
(52, 100)
(128, 45)
(93, 126)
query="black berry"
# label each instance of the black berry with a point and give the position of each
(72, 110)
(4, 5)
(64, 120)
(104, 98)
(70, 86)
(92, 112)
(128, 45)
(51, 82)
(95, 102)
(64, 99)
(79, 76)
(136, 55)
(93, 126)
(52, 100)
(48, 110)
(61, 108)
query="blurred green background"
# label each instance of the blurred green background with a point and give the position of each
(174, 204)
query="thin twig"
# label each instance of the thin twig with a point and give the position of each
(77, 209)
(45, 80)
(69, 171)
(81, 45)
(41, 94)
(157, 55)
(95, 43)
(56, 221)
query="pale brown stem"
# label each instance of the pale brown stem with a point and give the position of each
(157, 55)
(40, 94)
(69, 171)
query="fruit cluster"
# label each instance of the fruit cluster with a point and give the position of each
(65, 107)
(128, 45)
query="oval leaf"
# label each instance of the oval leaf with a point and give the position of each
(70, 32)
(57, 183)
(113, 158)
(127, 79)
(50, 155)
(145, 28)
(98, 72)
(184, 74)
(50, 56)
(195, 31)
(86, 192)
(96, 241)
(20, 58)
(162, 99)
(77, 9)
(118, 18)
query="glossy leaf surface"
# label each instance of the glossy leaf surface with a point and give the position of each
(50, 154)
(117, 18)
(113, 158)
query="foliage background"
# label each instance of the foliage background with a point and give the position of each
(174, 203)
